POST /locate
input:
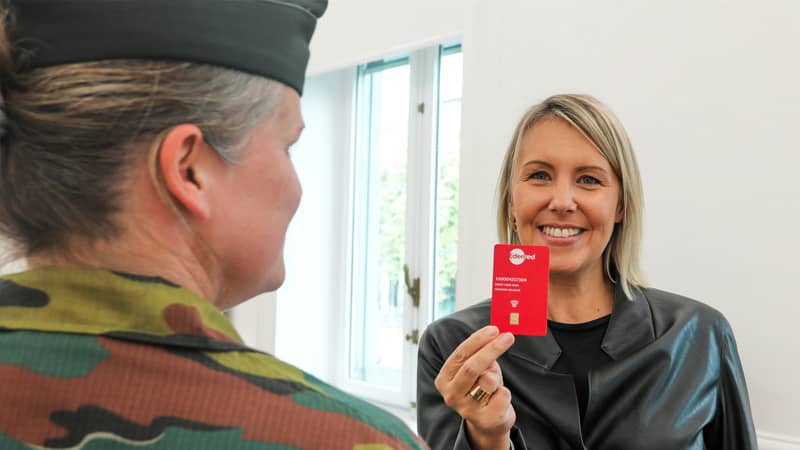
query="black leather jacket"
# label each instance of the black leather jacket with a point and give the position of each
(675, 383)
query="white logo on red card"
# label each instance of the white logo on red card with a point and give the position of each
(514, 303)
(517, 256)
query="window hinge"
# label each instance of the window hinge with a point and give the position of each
(412, 287)
(413, 337)
(421, 108)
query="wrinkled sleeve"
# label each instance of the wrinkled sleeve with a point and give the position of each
(441, 427)
(732, 427)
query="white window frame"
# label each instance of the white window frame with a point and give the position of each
(420, 233)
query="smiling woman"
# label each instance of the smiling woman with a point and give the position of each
(614, 370)
(600, 140)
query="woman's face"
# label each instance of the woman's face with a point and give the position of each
(565, 196)
(257, 199)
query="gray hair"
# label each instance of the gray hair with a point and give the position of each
(71, 133)
(601, 127)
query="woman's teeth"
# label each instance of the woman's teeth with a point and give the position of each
(560, 232)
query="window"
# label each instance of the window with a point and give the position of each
(404, 216)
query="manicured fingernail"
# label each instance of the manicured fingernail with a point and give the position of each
(505, 339)
(490, 330)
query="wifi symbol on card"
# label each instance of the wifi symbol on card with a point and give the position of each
(514, 303)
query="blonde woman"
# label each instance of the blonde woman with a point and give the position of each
(623, 366)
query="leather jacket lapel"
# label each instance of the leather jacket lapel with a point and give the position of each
(631, 325)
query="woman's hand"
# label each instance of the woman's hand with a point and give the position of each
(472, 365)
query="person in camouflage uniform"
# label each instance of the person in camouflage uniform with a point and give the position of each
(104, 360)
(144, 176)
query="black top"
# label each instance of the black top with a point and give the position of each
(580, 343)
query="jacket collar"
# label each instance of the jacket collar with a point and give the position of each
(630, 329)
(99, 302)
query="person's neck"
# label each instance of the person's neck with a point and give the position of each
(136, 254)
(580, 297)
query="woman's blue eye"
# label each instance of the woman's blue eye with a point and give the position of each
(588, 179)
(539, 176)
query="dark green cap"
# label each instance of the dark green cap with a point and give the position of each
(263, 37)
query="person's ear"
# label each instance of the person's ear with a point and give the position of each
(180, 160)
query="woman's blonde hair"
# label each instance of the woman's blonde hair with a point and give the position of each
(598, 124)
(69, 135)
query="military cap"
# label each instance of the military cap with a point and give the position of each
(269, 38)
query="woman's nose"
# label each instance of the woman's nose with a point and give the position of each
(563, 199)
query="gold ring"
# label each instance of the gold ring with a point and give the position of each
(478, 394)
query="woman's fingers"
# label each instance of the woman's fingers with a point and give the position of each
(480, 361)
(495, 368)
(487, 382)
(472, 361)
(465, 350)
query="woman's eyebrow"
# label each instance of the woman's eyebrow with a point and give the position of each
(578, 169)
(598, 168)
(539, 162)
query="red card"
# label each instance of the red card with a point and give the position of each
(519, 289)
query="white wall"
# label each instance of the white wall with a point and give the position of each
(255, 321)
(357, 31)
(710, 93)
(308, 304)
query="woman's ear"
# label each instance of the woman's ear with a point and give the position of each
(181, 163)
(512, 222)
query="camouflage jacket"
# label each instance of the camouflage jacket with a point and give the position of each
(95, 360)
